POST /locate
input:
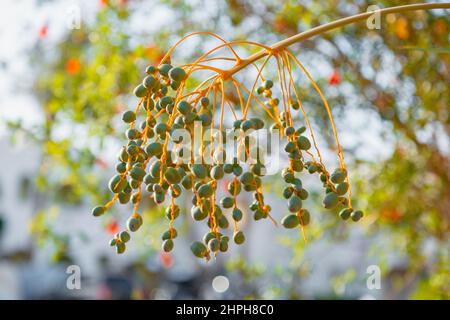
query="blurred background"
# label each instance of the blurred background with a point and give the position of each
(67, 72)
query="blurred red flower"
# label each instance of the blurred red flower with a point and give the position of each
(73, 66)
(112, 227)
(334, 78)
(166, 259)
(101, 163)
(153, 54)
(43, 30)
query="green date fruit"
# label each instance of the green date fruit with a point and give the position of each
(290, 221)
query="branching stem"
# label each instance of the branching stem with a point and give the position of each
(279, 46)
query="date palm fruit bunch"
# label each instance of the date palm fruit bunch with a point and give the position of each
(151, 163)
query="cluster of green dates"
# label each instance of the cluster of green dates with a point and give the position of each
(146, 165)
(335, 185)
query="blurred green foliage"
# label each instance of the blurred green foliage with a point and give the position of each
(87, 82)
